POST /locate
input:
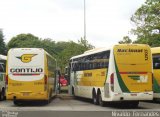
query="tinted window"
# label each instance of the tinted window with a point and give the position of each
(156, 61)
(94, 61)
(1, 68)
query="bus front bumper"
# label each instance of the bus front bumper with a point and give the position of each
(26, 96)
(131, 96)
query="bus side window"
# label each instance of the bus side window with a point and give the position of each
(91, 65)
(157, 65)
(4, 66)
(73, 67)
(156, 61)
(1, 68)
(102, 64)
(85, 65)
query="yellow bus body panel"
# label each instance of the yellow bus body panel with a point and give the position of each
(134, 66)
(94, 77)
(35, 90)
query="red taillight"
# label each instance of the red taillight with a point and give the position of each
(6, 79)
(45, 79)
(112, 78)
(112, 81)
(152, 80)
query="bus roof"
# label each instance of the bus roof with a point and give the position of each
(92, 51)
(38, 49)
(3, 57)
(41, 49)
(97, 50)
(155, 50)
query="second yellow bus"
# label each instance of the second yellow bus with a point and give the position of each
(156, 72)
(122, 73)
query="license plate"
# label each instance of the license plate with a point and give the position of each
(25, 94)
(133, 94)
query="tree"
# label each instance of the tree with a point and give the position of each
(31, 41)
(85, 44)
(2, 43)
(126, 40)
(62, 50)
(49, 45)
(147, 22)
(70, 49)
(24, 41)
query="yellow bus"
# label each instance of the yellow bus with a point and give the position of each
(122, 73)
(156, 71)
(30, 75)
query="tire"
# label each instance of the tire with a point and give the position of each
(50, 96)
(2, 95)
(46, 101)
(134, 104)
(17, 103)
(130, 104)
(73, 91)
(94, 98)
(100, 101)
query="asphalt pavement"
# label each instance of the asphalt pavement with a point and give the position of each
(67, 106)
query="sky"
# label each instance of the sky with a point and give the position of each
(107, 21)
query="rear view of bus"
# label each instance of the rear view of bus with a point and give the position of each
(132, 78)
(28, 75)
(156, 72)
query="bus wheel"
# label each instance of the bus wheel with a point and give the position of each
(94, 98)
(73, 91)
(50, 96)
(16, 102)
(2, 95)
(47, 101)
(134, 104)
(100, 101)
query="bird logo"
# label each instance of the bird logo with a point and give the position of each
(26, 58)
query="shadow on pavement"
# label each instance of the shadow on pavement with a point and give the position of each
(33, 103)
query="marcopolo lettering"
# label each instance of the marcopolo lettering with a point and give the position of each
(26, 70)
(122, 50)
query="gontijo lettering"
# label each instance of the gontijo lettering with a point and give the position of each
(26, 70)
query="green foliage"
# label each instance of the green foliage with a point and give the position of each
(31, 41)
(85, 44)
(48, 45)
(72, 49)
(147, 22)
(2, 43)
(24, 41)
(62, 51)
(126, 40)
